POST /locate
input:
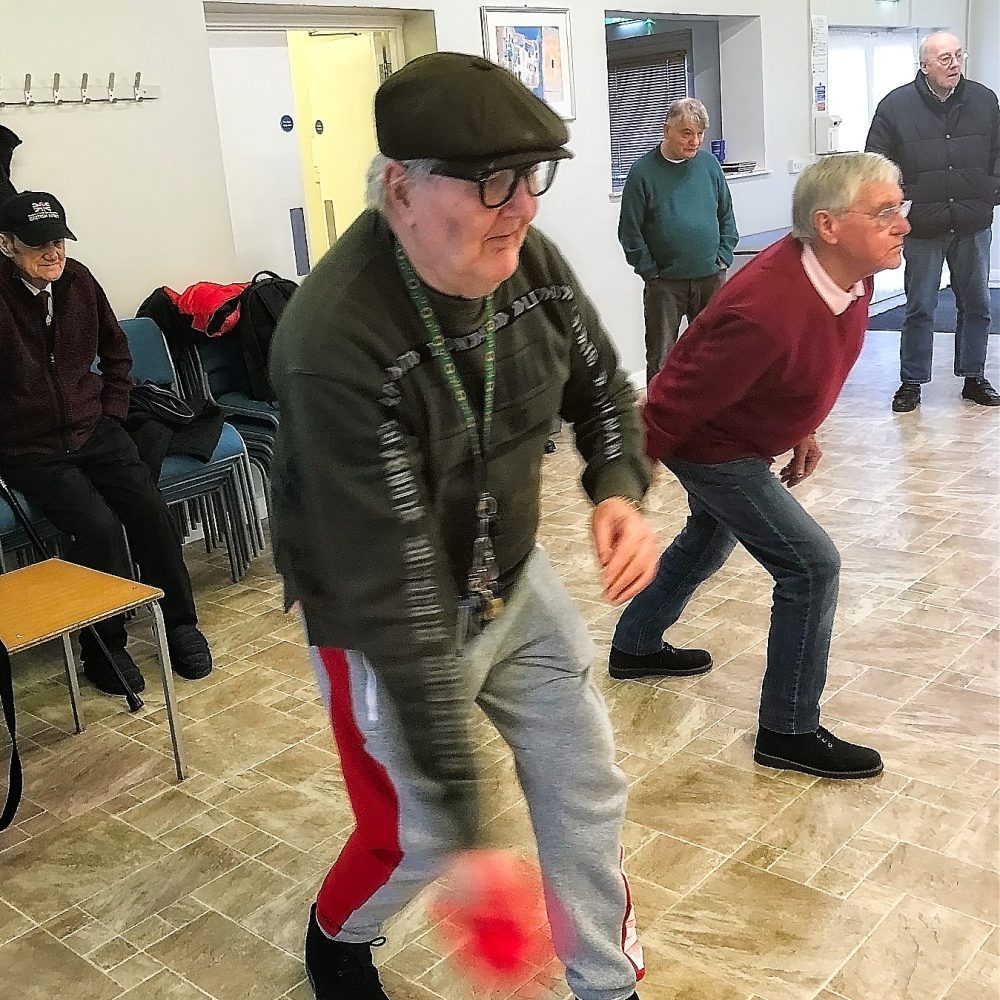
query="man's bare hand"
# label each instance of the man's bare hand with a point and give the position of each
(805, 457)
(626, 549)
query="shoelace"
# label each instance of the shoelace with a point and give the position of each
(361, 971)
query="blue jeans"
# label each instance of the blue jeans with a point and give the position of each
(968, 259)
(743, 501)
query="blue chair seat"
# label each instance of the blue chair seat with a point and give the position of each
(241, 401)
(230, 446)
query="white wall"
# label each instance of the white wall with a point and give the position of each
(143, 185)
(146, 187)
(984, 65)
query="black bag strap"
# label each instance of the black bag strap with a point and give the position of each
(15, 784)
(267, 275)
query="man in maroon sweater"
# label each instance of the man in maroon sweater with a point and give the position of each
(62, 443)
(753, 377)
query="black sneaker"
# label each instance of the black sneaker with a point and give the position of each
(189, 653)
(341, 971)
(907, 398)
(97, 671)
(668, 662)
(819, 753)
(980, 391)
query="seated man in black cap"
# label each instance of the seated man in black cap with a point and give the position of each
(419, 369)
(61, 439)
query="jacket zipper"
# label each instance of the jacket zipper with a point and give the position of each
(60, 401)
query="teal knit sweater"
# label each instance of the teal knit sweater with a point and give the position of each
(677, 218)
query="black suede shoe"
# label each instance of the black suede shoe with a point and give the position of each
(980, 391)
(819, 753)
(189, 653)
(634, 996)
(668, 662)
(907, 398)
(341, 971)
(96, 670)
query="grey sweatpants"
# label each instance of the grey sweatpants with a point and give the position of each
(530, 673)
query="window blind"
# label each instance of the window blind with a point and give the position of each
(639, 92)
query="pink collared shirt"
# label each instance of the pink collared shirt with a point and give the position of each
(829, 291)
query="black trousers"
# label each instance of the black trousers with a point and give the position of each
(89, 494)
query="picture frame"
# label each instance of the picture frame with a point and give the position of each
(535, 44)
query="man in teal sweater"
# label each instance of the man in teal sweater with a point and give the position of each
(677, 227)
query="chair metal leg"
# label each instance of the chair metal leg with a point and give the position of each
(74, 683)
(160, 633)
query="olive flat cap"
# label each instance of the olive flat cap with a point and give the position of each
(467, 111)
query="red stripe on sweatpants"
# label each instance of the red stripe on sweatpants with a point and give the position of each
(372, 852)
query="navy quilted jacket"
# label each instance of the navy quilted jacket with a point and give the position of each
(948, 152)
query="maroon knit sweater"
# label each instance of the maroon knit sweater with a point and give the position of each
(758, 370)
(50, 400)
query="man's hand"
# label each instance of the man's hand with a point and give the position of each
(626, 549)
(805, 457)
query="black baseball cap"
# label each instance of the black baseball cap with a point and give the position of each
(34, 217)
(468, 112)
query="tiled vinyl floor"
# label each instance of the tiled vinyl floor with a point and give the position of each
(118, 882)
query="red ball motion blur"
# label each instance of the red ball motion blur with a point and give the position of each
(493, 915)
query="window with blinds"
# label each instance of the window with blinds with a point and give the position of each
(639, 92)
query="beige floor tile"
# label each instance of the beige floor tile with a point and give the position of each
(942, 714)
(909, 649)
(978, 842)
(707, 803)
(12, 923)
(788, 953)
(55, 870)
(227, 962)
(132, 900)
(239, 892)
(948, 882)
(888, 964)
(165, 985)
(824, 818)
(673, 864)
(291, 814)
(42, 968)
(979, 981)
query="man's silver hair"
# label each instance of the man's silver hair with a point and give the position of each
(375, 193)
(833, 184)
(688, 109)
(925, 44)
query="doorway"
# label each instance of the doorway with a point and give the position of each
(295, 111)
(864, 66)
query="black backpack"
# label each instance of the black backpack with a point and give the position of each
(261, 304)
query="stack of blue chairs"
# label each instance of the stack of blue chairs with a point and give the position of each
(214, 369)
(219, 493)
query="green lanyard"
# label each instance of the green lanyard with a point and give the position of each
(435, 340)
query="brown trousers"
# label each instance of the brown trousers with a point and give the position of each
(664, 302)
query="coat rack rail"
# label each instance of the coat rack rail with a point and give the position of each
(27, 96)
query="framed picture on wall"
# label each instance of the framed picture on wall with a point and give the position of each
(534, 44)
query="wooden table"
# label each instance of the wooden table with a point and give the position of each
(51, 599)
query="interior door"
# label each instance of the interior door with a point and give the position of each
(253, 94)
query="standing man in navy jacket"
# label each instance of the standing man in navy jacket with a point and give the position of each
(754, 377)
(944, 132)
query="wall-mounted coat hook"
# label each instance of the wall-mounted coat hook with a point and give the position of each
(111, 89)
(84, 97)
(26, 95)
(56, 99)
(28, 99)
(136, 90)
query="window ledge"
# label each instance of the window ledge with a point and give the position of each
(617, 195)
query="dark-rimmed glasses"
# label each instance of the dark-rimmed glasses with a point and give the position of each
(497, 187)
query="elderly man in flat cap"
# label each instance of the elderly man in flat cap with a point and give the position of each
(419, 370)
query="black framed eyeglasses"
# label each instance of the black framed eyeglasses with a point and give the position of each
(497, 187)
